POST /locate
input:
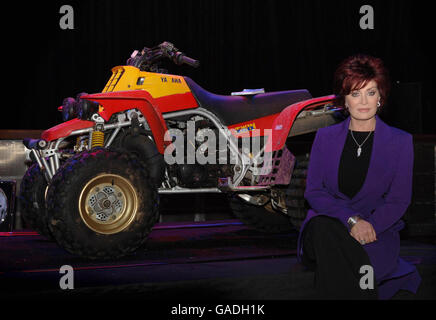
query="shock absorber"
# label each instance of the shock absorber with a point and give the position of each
(97, 139)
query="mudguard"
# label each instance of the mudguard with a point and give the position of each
(283, 122)
(65, 128)
(113, 102)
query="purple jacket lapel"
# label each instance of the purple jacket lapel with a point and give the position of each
(378, 161)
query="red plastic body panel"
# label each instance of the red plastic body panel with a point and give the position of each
(283, 122)
(124, 100)
(113, 102)
(65, 128)
(253, 128)
(176, 102)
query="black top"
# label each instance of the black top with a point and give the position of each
(353, 169)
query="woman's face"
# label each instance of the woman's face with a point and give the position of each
(362, 104)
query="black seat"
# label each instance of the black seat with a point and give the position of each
(236, 109)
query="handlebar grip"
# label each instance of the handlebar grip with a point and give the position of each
(192, 62)
(181, 58)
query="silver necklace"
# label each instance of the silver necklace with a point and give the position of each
(359, 149)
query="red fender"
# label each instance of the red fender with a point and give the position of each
(65, 128)
(284, 121)
(113, 102)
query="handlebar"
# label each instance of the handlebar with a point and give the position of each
(148, 58)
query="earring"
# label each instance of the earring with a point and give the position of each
(378, 104)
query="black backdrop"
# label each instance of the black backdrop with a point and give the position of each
(276, 45)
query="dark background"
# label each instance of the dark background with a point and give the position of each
(276, 45)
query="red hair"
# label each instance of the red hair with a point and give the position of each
(355, 72)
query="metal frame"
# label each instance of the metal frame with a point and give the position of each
(244, 162)
(243, 159)
(52, 151)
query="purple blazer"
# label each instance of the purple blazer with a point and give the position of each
(382, 200)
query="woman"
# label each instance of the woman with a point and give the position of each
(359, 185)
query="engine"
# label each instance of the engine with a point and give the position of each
(201, 157)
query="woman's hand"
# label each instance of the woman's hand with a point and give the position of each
(363, 232)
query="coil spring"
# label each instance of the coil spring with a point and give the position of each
(97, 139)
(78, 143)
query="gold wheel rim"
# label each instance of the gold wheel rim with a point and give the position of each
(108, 203)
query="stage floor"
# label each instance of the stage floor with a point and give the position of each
(184, 261)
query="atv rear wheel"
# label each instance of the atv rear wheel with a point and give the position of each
(262, 218)
(102, 204)
(33, 190)
(296, 204)
(265, 218)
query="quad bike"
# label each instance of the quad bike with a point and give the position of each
(95, 182)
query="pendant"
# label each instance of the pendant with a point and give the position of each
(359, 151)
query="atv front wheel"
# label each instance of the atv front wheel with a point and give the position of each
(33, 190)
(102, 204)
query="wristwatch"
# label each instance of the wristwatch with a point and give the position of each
(353, 220)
